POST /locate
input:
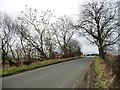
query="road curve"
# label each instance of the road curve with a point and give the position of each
(62, 75)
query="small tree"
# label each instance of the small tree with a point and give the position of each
(75, 47)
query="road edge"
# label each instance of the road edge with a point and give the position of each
(79, 83)
(40, 67)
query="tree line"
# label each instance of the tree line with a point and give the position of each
(36, 36)
(40, 36)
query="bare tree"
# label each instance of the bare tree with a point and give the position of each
(32, 22)
(50, 44)
(75, 47)
(63, 32)
(98, 23)
(7, 38)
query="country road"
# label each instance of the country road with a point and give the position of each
(62, 75)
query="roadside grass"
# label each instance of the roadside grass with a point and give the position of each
(101, 75)
(39, 64)
(93, 77)
(96, 65)
(96, 74)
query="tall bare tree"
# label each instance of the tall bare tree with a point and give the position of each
(50, 43)
(33, 28)
(98, 23)
(7, 38)
(63, 32)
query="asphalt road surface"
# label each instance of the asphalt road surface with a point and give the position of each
(62, 75)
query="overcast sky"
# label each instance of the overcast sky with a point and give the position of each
(60, 7)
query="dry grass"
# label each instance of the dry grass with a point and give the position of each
(105, 78)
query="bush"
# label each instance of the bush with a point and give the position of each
(113, 62)
(116, 67)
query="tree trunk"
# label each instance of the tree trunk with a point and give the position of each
(43, 55)
(21, 40)
(29, 57)
(65, 52)
(3, 59)
(18, 59)
(12, 51)
(102, 53)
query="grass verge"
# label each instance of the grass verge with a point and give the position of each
(99, 75)
(96, 74)
(102, 75)
(15, 70)
(96, 65)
